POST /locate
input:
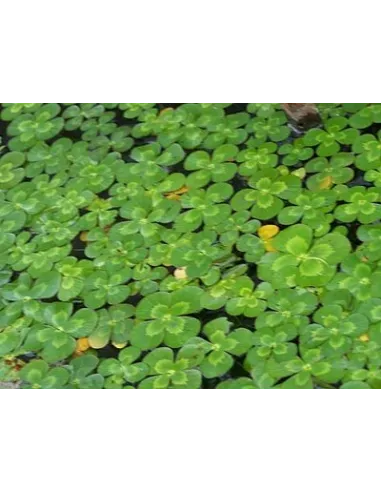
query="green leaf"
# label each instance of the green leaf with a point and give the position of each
(332, 248)
(302, 380)
(225, 153)
(57, 347)
(84, 365)
(217, 364)
(8, 342)
(355, 385)
(171, 156)
(34, 371)
(109, 367)
(70, 288)
(295, 240)
(56, 378)
(82, 323)
(147, 335)
(154, 306)
(46, 286)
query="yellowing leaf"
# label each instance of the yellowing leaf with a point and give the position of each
(283, 170)
(364, 338)
(180, 273)
(176, 195)
(268, 232)
(326, 183)
(300, 173)
(119, 345)
(98, 342)
(83, 236)
(165, 110)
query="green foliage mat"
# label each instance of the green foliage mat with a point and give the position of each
(148, 245)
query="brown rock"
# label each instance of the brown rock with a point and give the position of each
(304, 115)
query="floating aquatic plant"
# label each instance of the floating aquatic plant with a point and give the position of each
(186, 246)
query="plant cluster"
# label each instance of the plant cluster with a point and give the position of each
(186, 246)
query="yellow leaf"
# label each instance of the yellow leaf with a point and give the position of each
(176, 195)
(364, 338)
(119, 345)
(268, 232)
(83, 236)
(269, 247)
(173, 196)
(180, 273)
(326, 183)
(82, 345)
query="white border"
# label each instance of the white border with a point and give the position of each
(189, 441)
(183, 51)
